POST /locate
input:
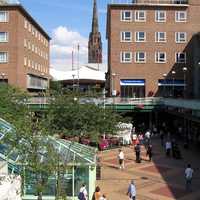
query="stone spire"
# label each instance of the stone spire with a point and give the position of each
(95, 25)
(95, 44)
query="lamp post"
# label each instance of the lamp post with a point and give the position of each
(164, 76)
(3, 75)
(113, 84)
(173, 74)
(73, 75)
(184, 79)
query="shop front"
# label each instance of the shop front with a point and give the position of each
(132, 88)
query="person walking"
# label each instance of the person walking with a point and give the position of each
(188, 177)
(137, 153)
(168, 147)
(83, 193)
(97, 194)
(132, 191)
(162, 138)
(149, 152)
(121, 159)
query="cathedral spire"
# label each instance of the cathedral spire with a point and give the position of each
(95, 44)
(95, 25)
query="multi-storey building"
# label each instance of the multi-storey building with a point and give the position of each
(150, 46)
(24, 49)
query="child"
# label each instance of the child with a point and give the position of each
(103, 197)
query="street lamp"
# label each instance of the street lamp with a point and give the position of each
(184, 78)
(164, 76)
(3, 75)
(173, 74)
(113, 82)
(73, 75)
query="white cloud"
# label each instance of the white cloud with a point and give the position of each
(64, 41)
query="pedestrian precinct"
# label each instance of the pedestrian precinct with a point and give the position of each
(121, 159)
(137, 153)
(188, 177)
(132, 191)
(168, 147)
(83, 193)
(149, 152)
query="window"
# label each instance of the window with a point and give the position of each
(29, 45)
(140, 57)
(160, 16)
(126, 16)
(29, 27)
(126, 36)
(181, 16)
(160, 57)
(3, 57)
(3, 16)
(25, 24)
(140, 36)
(160, 36)
(25, 61)
(126, 57)
(29, 63)
(181, 37)
(140, 16)
(3, 37)
(25, 43)
(180, 57)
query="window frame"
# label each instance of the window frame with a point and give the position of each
(123, 36)
(177, 37)
(123, 57)
(137, 58)
(178, 60)
(157, 37)
(6, 18)
(123, 16)
(137, 36)
(177, 16)
(158, 61)
(157, 14)
(137, 16)
(6, 37)
(7, 57)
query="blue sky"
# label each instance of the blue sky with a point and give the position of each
(73, 15)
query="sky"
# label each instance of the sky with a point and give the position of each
(68, 22)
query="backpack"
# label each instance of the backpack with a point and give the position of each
(81, 196)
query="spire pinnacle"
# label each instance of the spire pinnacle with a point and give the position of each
(95, 25)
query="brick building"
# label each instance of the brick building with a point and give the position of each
(150, 46)
(24, 49)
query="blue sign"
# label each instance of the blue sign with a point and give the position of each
(132, 82)
(171, 82)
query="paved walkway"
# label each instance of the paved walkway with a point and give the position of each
(161, 179)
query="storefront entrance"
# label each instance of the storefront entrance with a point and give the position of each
(132, 88)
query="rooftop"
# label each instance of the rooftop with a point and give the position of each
(151, 2)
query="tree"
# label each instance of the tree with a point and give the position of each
(70, 116)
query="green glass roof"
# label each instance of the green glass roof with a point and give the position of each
(71, 153)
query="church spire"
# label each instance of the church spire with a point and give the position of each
(95, 25)
(95, 44)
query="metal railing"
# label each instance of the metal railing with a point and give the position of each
(173, 2)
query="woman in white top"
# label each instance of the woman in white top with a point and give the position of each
(121, 159)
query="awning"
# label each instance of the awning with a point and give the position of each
(133, 82)
(171, 82)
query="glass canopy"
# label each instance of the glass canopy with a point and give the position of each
(71, 152)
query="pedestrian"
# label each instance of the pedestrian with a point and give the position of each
(188, 177)
(162, 138)
(141, 138)
(97, 194)
(132, 191)
(147, 138)
(137, 153)
(83, 193)
(121, 159)
(103, 197)
(168, 147)
(149, 152)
